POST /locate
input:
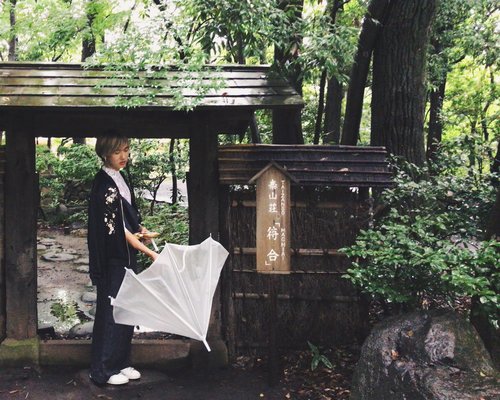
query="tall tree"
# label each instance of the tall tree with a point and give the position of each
(13, 35)
(88, 44)
(287, 129)
(399, 91)
(335, 89)
(449, 26)
(372, 24)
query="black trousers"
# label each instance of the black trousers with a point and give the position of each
(111, 342)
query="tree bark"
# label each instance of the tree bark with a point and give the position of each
(335, 92)
(321, 107)
(333, 111)
(13, 35)
(399, 61)
(287, 129)
(171, 157)
(372, 23)
(88, 49)
(435, 133)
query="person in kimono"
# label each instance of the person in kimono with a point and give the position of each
(113, 219)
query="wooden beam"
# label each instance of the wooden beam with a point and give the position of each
(133, 123)
(20, 241)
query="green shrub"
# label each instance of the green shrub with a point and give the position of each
(172, 222)
(76, 170)
(430, 244)
(51, 188)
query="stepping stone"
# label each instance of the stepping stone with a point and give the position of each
(82, 329)
(89, 297)
(84, 269)
(48, 242)
(71, 251)
(54, 257)
(82, 260)
(41, 247)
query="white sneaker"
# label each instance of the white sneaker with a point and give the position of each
(117, 379)
(131, 373)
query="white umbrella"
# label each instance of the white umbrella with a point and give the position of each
(175, 293)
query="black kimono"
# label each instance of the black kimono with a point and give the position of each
(109, 254)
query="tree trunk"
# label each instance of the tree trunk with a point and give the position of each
(13, 35)
(287, 129)
(333, 111)
(435, 133)
(171, 157)
(321, 107)
(88, 48)
(372, 23)
(335, 93)
(254, 130)
(399, 60)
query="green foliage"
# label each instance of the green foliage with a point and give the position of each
(318, 358)
(429, 245)
(46, 164)
(64, 310)
(172, 222)
(76, 170)
(153, 164)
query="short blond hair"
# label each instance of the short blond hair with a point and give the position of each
(106, 145)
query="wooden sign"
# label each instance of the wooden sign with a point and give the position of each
(273, 219)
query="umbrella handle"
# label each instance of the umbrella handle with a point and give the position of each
(154, 245)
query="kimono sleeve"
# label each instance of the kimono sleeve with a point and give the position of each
(103, 221)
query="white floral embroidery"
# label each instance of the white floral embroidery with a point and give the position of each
(109, 215)
(111, 195)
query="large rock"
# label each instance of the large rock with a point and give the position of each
(424, 356)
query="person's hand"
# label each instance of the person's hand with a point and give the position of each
(144, 240)
(154, 255)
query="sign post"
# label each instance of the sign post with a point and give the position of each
(273, 242)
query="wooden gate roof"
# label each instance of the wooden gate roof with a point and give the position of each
(72, 85)
(309, 164)
(71, 100)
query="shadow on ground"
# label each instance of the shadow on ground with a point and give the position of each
(61, 383)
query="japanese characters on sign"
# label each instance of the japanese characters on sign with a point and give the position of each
(273, 221)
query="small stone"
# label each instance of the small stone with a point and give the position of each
(41, 247)
(71, 251)
(82, 261)
(84, 269)
(55, 257)
(48, 241)
(92, 311)
(89, 297)
(62, 209)
(82, 329)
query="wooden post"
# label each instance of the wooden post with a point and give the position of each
(20, 236)
(273, 245)
(203, 182)
(203, 195)
(3, 317)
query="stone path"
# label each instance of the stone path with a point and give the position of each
(64, 286)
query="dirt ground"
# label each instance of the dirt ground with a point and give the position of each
(247, 378)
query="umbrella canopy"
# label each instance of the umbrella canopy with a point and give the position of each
(175, 293)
